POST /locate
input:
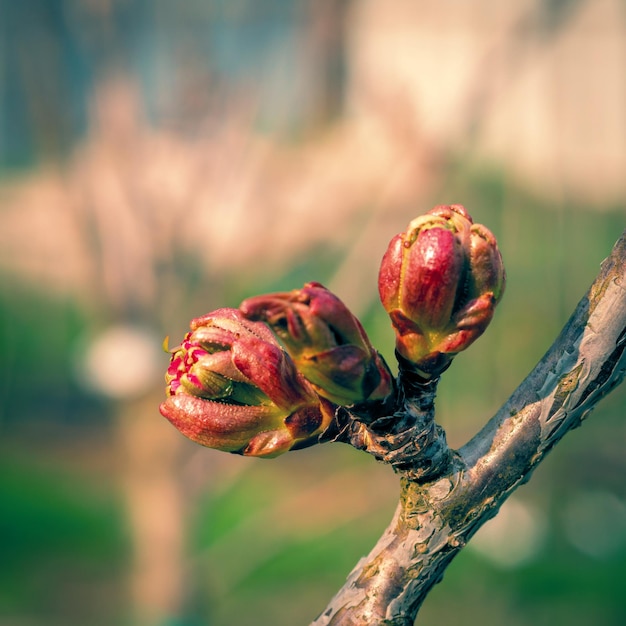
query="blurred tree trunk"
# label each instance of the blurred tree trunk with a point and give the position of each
(155, 507)
(325, 29)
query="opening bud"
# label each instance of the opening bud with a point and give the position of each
(231, 386)
(440, 282)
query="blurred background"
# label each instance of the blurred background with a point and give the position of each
(161, 159)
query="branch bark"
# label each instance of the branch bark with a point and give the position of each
(437, 516)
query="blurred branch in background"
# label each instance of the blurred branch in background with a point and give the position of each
(162, 159)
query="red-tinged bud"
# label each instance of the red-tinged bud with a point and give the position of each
(232, 387)
(440, 282)
(326, 341)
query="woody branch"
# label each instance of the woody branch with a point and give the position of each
(435, 519)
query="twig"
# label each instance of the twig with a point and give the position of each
(435, 519)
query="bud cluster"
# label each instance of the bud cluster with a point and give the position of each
(270, 376)
(265, 378)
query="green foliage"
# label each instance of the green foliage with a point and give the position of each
(61, 537)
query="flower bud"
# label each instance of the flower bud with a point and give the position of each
(326, 341)
(232, 387)
(440, 282)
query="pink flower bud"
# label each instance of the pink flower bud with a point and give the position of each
(326, 341)
(440, 282)
(231, 386)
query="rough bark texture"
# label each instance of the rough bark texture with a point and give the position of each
(439, 511)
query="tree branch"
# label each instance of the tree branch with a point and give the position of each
(436, 517)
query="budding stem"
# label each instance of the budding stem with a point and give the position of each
(430, 455)
(402, 433)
